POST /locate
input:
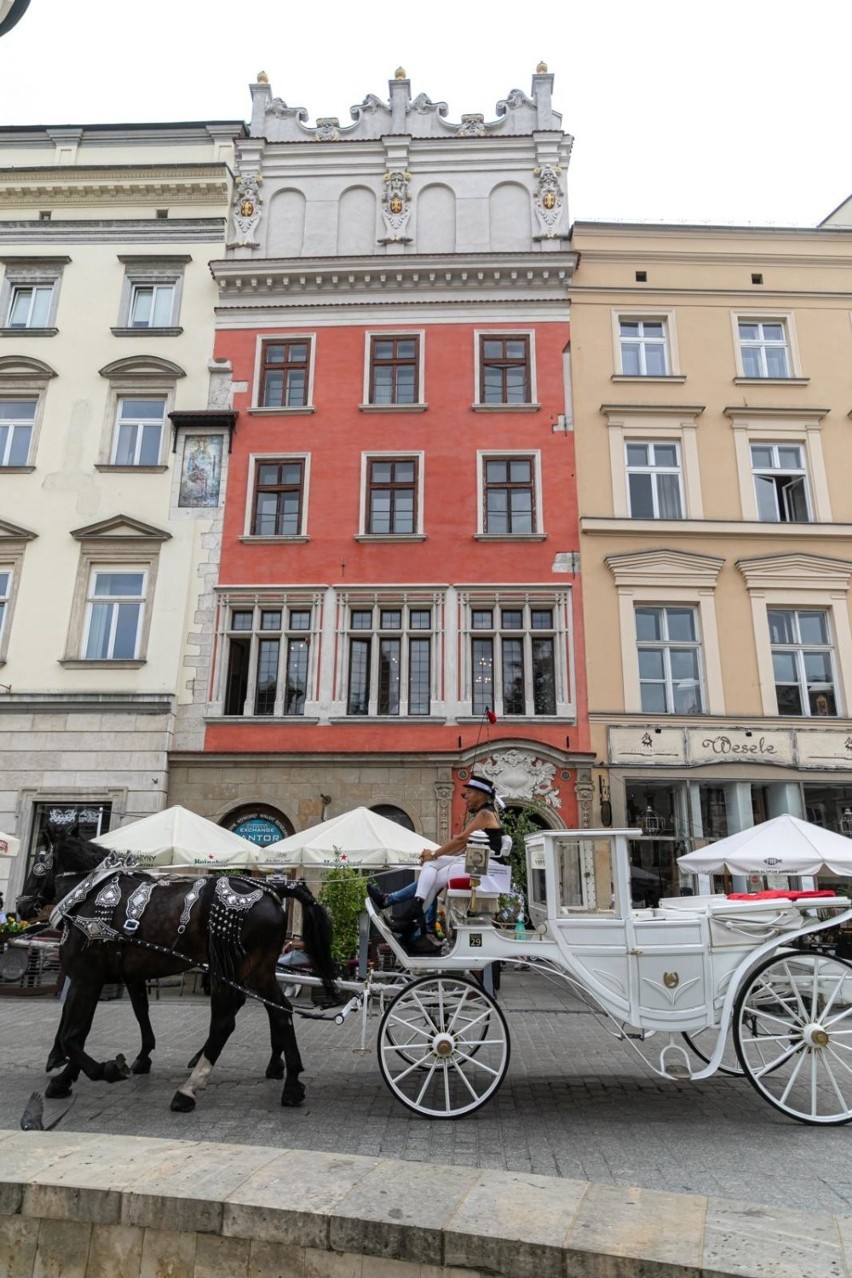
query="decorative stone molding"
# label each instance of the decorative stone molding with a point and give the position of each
(585, 791)
(472, 126)
(548, 201)
(148, 184)
(520, 775)
(248, 206)
(396, 207)
(443, 796)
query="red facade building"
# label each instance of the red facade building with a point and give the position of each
(396, 589)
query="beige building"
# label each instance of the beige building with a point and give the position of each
(113, 452)
(712, 385)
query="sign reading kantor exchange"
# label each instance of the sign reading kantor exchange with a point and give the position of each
(812, 748)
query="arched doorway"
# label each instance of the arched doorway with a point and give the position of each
(258, 823)
(392, 813)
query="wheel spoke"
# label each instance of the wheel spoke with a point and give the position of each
(793, 1076)
(464, 1078)
(833, 1081)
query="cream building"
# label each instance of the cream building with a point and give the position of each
(712, 397)
(114, 434)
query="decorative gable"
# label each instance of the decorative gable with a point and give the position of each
(796, 571)
(121, 528)
(665, 568)
(11, 532)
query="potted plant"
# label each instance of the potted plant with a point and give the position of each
(343, 894)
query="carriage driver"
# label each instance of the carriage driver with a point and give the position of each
(446, 861)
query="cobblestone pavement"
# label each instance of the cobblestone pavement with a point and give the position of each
(575, 1102)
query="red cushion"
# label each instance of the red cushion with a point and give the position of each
(777, 895)
(462, 882)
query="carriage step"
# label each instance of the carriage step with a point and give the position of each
(676, 1069)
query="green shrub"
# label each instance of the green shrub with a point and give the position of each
(343, 894)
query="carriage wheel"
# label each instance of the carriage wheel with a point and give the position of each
(703, 1043)
(793, 1035)
(443, 1046)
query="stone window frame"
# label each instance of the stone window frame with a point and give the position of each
(781, 426)
(641, 423)
(529, 335)
(396, 454)
(119, 542)
(280, 455)
(372, 335)
(400, 599)
(22, 377)
(23, 272)
(145, 377)
(800, 581)
(150, 270)
(664, 578)
(485, 455)
(270, 338)
(795, 376)
(284, 599)
(13, 544)
(667, 317)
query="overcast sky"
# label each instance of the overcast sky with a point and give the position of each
(732, 112)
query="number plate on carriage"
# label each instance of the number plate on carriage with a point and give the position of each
(475, 940)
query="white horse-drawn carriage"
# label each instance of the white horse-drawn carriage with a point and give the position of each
(695, 985)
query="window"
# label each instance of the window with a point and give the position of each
(17, 417)
(151, 305)
(764, 348)
(504, 369)
(513, 660)
(780, 483)
(669, 660)
(654, 480)
(268, 650)
(5, 595)
(643, 347)
(138, 432)
(509, 504)
(114, 607)
(390, 658)
(279, 498)
(394, 370)
(151, 296)
(284, 373)
(392, 496)
(802, 662)
(30, 306)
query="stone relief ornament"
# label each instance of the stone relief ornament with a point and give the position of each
(396, 207)
(517, 775)
(548, 201)
(585, 792)
(472, 126)
(248, 204)
(279, 108)
(328, 129)
(424, 105)
(512, 101)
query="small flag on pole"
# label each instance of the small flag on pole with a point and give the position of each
(490, 715)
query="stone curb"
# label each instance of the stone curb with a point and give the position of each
(108, 1207)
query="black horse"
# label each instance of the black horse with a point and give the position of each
(125, 926)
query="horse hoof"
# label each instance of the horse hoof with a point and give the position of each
(141, 1066)
(116, 1071)
(56, 1089)
(182, 1104)
(193, 1061)
(55, 1062)
(275, 1070)
(293, 1096)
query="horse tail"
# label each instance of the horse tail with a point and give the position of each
(316, 935)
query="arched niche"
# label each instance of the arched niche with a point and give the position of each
(393, 813)
(286, 222)
(435, 230)
(510, 217)
(356, 226)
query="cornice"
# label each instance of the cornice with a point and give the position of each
(114, 184)
(542, 274)
(195, 230)
(607, 525)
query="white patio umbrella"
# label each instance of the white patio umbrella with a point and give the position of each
(9, 845)
(784, 845)
(366, 838)
(178, 837)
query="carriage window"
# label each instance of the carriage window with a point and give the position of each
(575, 874)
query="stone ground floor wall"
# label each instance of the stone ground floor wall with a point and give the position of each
(94, 1206)
(88, 750)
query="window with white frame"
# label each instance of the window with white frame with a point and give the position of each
(278, 508)
(780, 483)
(17, 419)
(115, 605)
(138, 439)
(30, 306)
(803, 661)
(284, 374)
(669, 652)
(764, 347)
(654, 480)
(509, 506)
(5, 596)
(390, 658)
(643, 345)
(152, 294)
(391, 505)
(513, 658)
(505, 369)
(268, 649)
(394, 375)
